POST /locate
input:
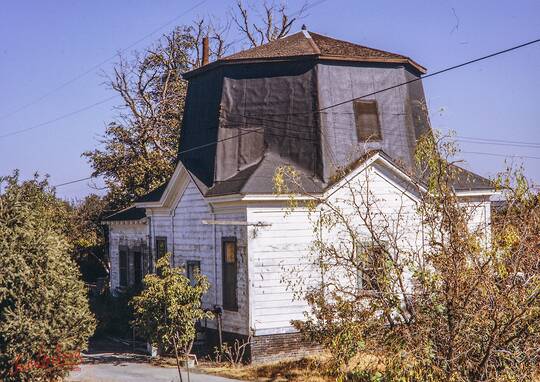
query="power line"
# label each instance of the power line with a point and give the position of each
(98, 65)
(504, 141)
(475, 140)
(300, 138)
(420, 78)
(180, 152)
(500, 155)
(73, 181)
(516, 47)
(16, 132)
(63, 116)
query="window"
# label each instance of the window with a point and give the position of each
(193, 268)
(370, 263)
(123, 265)
(366, 116)
(229, 276)
(137, 265)
(161, 247)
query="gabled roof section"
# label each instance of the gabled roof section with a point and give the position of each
(469, 181)
(258, 179)
(154, 195)
(127, 214)
(465, 181)
(309, 44)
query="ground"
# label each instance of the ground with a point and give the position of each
(112, 360)
(111, 367)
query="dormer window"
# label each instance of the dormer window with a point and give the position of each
(366, 116)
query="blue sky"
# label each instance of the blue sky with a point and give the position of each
(46, 43)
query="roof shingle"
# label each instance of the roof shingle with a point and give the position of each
(310, 44)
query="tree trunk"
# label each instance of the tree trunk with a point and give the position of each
(177, 359)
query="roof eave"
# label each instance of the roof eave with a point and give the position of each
(221, 62)
(406, 61)
(235, 61)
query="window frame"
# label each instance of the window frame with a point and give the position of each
(192, 264)
(229, 305)
(362, 269)
(357, 121)
(156, 243)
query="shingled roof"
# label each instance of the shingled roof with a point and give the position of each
(128, 214)
(310, 44)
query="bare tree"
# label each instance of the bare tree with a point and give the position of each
(424, 289)
(275, 22)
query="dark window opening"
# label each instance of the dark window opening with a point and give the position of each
(123, 266)
(137, 265)
(366, 116)
(230, 301)
(370, 265)
(193, 268)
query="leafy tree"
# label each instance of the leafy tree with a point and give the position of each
(44, 316)
(168, 307)
(87, 236)
(450, 301)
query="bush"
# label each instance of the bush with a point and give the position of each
(45, 320)
(168, 308)
(113, 313)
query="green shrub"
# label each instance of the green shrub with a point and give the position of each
(45, 320)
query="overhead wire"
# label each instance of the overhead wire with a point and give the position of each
(98, 65)
(59, 118)
(513, 48)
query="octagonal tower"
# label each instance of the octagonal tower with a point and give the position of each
(290, 102)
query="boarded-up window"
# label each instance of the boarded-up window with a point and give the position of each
(370, 263)
(366, 116)
(230, 262)
(193, 268)
(123, 265)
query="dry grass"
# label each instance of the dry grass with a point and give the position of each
(301, 370)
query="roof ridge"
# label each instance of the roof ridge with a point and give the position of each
(358, 45)
(311, 41)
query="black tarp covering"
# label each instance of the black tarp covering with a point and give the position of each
(264, 112)
(200, 125)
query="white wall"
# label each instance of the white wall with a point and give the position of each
(280, 254)
(275, 260)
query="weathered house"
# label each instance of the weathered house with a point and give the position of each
(284, 103)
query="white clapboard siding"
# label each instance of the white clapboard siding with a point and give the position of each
(280, 253)
(192, 240)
